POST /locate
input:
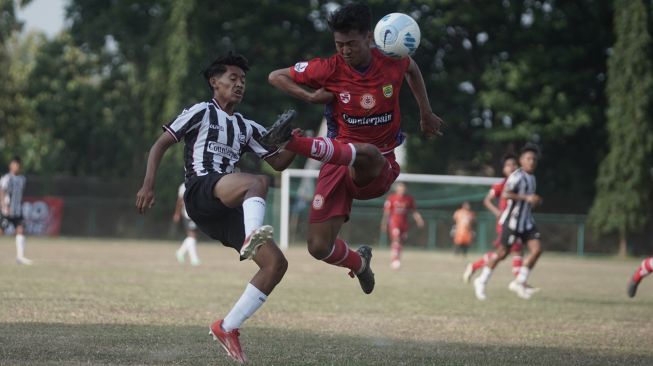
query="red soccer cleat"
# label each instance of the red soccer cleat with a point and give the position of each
(228, 340)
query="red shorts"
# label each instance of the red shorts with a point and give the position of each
(335, 189)
(398, 231)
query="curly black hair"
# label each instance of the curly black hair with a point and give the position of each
(219, 65)
(530, 147)
(351, 17)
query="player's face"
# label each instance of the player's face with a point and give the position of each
(14, 167)
(230, 86)
(528, 161)
(509, 166)
(401, 189)
(354, 47)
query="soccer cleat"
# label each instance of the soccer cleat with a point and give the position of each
(281, 130)
(366, 276)
(257, 238)
(395, 264)
(180, 256)
(469, 272)
(632, 288)
(479, 289)
(195, 262)
(522, 290)
(228, 340)
(24, 261)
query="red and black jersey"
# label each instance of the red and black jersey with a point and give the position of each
(398, 207)
(366, 104)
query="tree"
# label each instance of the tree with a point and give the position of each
(624, 183)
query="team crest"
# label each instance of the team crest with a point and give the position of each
(318, 201)
(345, 97)
(387, 90)
(301, 66)
(368, 101)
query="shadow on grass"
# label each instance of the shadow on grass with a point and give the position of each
(110, 344)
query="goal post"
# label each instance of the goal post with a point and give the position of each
(287, 174)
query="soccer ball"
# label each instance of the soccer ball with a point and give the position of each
(397, 35)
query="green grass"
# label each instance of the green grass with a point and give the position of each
(129, 303)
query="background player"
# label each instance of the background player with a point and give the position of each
(463, 232)
(189, 245)
(12, 185)
(226, 205)
(642, 271)
(395, 221)
(509, 166)
(360, 87)
(517, 224)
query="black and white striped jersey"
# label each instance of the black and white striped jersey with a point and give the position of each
(215, 141)
(12, 187)
(518, 214)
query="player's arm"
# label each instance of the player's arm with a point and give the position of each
(176, 216)
(418, 219)
(145, 195)
(4, 209)
(281, 160)
(430, 124)
(533, 199)
(488, 202)
(384, 221)
(282, 80)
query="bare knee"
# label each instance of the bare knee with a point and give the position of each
(279, 266)
(257, 186)
(318, 247)
(368, 155)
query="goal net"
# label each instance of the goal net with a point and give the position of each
(436, 197)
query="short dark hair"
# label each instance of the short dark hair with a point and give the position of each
(219, 65)
(353, 16)
(16, 159)
(507, 157)
(530, 147)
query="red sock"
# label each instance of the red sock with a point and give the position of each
(483, 261)
(516, 264)
(644, 269)
(342, 256)
(323, 149)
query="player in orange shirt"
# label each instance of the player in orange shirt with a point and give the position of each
(395, 221)
(464, 219)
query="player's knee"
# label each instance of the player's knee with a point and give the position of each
(319, 248)
(368, 155)
(259, 185)
(280, 266)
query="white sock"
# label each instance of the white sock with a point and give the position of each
(253, 214)
(523, 274)
(191, 247)
(184, 246)
(485, 275)
(246, 306)
(20, 246)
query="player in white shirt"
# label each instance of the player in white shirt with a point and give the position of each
(12, 185)
(189, 245)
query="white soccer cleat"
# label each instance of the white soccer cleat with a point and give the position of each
(24, 261)
(395, 264)
(257, 238)
(522, 291)
(479, 289)
(469, 271)
(180, 256)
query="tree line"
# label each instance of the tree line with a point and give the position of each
(572, 77)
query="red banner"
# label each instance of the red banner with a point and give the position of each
(41, 215)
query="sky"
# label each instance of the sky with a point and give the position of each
(43, 15)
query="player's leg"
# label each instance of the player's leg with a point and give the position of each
(477, 265)
(191, 245)
(644, 269)
(180, 253)
(395, 247)
(325, 245)
(272, 267)
(517, 257)
(20, 245)
(248, 191)
(502, 251)
(519, 284)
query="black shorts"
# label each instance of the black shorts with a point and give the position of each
(211, 216)
(509, 237)
(189, 224)
(14, 220)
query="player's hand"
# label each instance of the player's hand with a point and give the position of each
(144, 199)
(321, 96)
(431, 125)
(420, 223)
(534, 199)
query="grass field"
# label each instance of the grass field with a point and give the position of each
(129, 303)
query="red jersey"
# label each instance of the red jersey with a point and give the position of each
(497, 190)
(366, 104)
(397, 207)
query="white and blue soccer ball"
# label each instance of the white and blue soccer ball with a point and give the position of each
(397, 35)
